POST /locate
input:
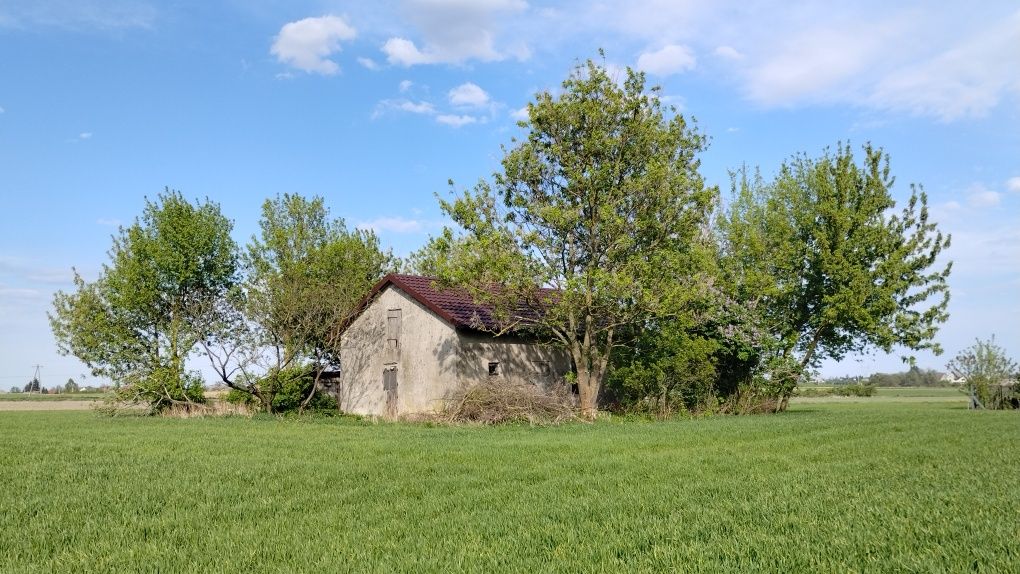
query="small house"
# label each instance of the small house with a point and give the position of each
(412, 344)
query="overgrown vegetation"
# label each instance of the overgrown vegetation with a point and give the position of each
(829, 487)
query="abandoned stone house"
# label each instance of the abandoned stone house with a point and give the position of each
(411, 345)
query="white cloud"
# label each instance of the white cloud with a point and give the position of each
(404, 53)
(417, 107)
(85, 136)
(520, 114)
(980, 196)
(393, 225)
(405, 85)
(2, 110)
(455, 120)
(109, 222)
(1013, 184)
(728, 52)
(469, 95)
(671, 59)
(307, 44)
(455, 31)
(368, 63)
(403, 105)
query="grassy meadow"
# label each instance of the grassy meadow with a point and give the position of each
(907, 485)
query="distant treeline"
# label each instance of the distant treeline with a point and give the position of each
(915, 377)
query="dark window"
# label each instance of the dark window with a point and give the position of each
(493, 368)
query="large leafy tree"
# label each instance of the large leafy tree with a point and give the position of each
(602, 202)
(828, 262)
(153, 302)
(305, 273)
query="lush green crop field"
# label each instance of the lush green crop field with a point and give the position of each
(908, 486)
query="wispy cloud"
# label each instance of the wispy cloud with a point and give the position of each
(980, 196)
(368, 63)
(82, 15)
(403, 105)
(455, 120)
(1013, 184)
(393, 225)
(109, 222)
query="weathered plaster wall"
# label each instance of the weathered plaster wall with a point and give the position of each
(520, 362)
(425, 358)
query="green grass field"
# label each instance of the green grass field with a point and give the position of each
(881, 486)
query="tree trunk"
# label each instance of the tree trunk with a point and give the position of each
(588, 392)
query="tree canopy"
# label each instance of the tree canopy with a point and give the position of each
(830, 263)
(303, 276)
(151, 305)
(602, 201)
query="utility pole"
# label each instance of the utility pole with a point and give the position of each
(36, 378)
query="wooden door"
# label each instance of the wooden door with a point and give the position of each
(390, 388)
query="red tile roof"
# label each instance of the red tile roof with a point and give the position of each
(455, 306)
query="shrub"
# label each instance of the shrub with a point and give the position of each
(285, 390)
(856, 390)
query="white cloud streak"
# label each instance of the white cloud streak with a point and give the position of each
(456, 121)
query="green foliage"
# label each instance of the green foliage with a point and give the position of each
(991, 378)
(70, 386)
(603, 201)
(866, 390)
(305, 275)
(667, 372)
(828, 264)
(141, 319)
(33, 386)
(913, 377)
(287, 389)
(796, 492)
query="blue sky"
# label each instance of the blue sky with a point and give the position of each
(374, 106)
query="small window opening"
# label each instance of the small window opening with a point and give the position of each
(493, 368)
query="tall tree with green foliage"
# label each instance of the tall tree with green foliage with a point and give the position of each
(829, 264)
(151, 305)
(603, 202)
(305, 273)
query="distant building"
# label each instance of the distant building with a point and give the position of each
(411, 345)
